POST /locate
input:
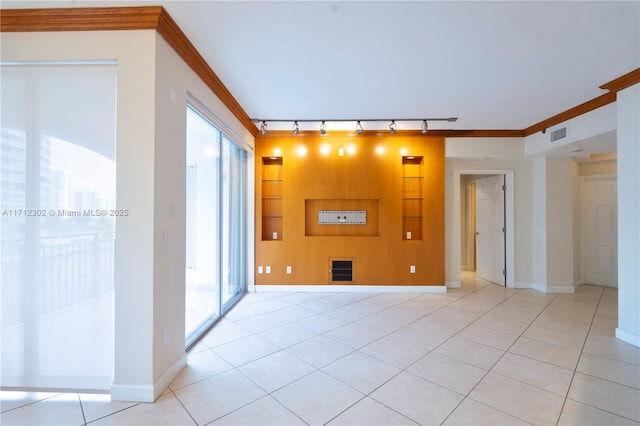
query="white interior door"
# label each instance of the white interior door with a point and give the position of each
(599, 225)
(490, 235)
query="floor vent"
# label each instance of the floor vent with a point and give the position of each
(556, 135)
(341, 270)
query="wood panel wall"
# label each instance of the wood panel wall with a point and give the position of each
(382, 259)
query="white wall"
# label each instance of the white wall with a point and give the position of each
(593, 168)
(484, 148)
(593, 123)
(150, 155)
(560, 181)
(173, 75)
(522, 200)
(628, 104)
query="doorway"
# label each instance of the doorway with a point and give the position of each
(464, 239)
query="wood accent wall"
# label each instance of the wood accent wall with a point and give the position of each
(382, 259)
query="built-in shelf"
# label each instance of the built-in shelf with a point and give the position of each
(412, 197)
(272, 198)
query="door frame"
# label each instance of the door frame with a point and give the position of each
(509, 223)
(582, 182)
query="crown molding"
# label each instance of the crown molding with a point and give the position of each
(125, 18)
(622, 82)
(157, 18)
(574, 112)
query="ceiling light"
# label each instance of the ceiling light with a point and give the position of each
(323, 128)
(296, 128)
(392, 127)
(263, 128)
(425, 127)
(359, 128)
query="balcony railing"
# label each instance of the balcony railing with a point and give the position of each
(63, 270)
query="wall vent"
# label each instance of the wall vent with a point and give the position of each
(556, 135)
(341, 270)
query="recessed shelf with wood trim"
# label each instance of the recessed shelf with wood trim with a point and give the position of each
(412, 197)
(272, 198)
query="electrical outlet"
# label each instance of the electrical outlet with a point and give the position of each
(412, 269)
(408, 235)
(268, 269)
(260, 269)
(165, 337)
(288, 269)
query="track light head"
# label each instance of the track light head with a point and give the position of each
(425, 127)
(323, 128)
(392, 127)
(359, 128)
(263, 128)
(296, 128)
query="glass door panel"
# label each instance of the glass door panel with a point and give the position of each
(215, 224)
(202, 225)
(233, 223)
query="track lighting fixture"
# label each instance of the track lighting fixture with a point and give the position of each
(393, 128)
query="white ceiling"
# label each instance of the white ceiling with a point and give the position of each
(495, 65)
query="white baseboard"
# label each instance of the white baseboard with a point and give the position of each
(453, 284)
(524, 284)
(354, 288)
(558, 289)
(561, 289)
(628, 337)
(137, 393)
(148, 393)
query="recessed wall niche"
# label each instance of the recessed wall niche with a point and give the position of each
(412, 197)
(272, 198)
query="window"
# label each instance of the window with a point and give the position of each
(58, 192)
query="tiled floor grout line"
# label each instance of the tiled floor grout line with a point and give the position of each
(575, 370)
(84, 417)
(546, 306)
(183, 406)
(579, 358)
(30, 403)
(547, 311)
(365, 395)
(496, 362)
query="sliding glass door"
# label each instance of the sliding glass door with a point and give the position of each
(215, 228)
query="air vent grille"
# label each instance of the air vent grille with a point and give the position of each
(556, 135)
(342, 270)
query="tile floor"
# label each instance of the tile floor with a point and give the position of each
(479, 355)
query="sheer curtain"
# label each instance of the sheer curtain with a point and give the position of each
(57, 190)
